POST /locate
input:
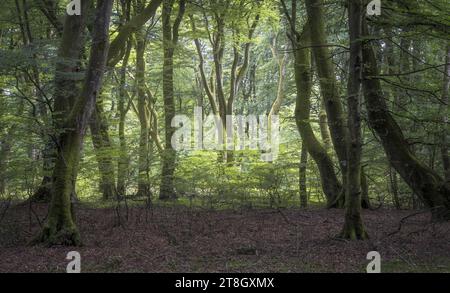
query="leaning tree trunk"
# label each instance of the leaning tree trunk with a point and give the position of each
(328, 85)
(353, 226)
(303, 79)
(60, 228)
(68, 65)
(426, 183)
(66, 83)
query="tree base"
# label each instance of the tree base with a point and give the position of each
(50, 236)
(353, 232)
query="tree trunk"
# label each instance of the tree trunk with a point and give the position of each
(324, 130)
(69, 63)
(302, 177)
(394, 187)
(445, 114)
(67, 77)
(123, 161)
(330, 183)
(170, 39)
(60, 228)
(353, 226)
(328, 84)
(365, 200)
(426, 183)
(143, 177)
(5, 150)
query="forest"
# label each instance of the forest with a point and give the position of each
(225, 135)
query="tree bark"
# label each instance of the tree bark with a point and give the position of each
(324, 130)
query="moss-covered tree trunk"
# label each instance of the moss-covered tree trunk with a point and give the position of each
(66, 89)
(143, 161)
(60, 227)
(426, 183)
(123, 160)
(170, 40)
(353, 226)
(303, 80)
(324, 130)
(328, 84)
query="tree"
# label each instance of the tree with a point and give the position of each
(98, 126)
(328, 85)
(216, 26)
(303, 81)
(143, 177)
(170, 40)
(60, 227)
(66, 84)
(122, 108)
(353, 226)
(425, 182)
(302, 177)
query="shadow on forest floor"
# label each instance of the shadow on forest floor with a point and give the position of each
(180, 239)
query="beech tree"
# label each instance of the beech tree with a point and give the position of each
(353, 226)
(424, 181)
(331, 185)
(60, 227)
(170, 40)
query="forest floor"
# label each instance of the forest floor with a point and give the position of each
(183, 239)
